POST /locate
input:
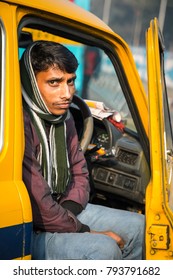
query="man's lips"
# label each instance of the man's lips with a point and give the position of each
(63, 105)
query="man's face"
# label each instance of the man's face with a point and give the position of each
(57, 89)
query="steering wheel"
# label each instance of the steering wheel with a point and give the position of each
(87, 122)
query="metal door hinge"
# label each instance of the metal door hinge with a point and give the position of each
(159, 237)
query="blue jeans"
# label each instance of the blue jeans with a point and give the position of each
(75, 246)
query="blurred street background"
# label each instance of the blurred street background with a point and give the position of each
(130, 19)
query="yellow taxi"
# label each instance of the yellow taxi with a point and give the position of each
(126, 134)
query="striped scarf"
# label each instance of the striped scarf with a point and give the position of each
(53, 156)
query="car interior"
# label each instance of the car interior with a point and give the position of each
(107, 124)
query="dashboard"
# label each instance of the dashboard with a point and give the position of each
(122, 169)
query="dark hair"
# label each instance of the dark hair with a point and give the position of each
(45, 54)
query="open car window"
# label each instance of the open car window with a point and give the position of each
(96, 76)
(101, 83)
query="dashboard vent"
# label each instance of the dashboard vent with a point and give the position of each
(127, 157)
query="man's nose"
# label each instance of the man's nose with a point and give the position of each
(66, 92)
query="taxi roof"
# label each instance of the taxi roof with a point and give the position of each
(66, 9)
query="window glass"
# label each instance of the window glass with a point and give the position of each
(168, 140)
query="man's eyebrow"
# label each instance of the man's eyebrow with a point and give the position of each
(55, 79)
(60, 79)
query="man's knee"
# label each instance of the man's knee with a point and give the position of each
(105, 248)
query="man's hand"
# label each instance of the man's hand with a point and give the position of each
(118, 239)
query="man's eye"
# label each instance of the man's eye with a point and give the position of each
(71, 82)
(52, 82)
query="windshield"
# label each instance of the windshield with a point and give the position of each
(97, 80)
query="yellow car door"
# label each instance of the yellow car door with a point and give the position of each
(15, 210)
(159, 196)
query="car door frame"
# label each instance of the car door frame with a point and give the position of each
(159, 216)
